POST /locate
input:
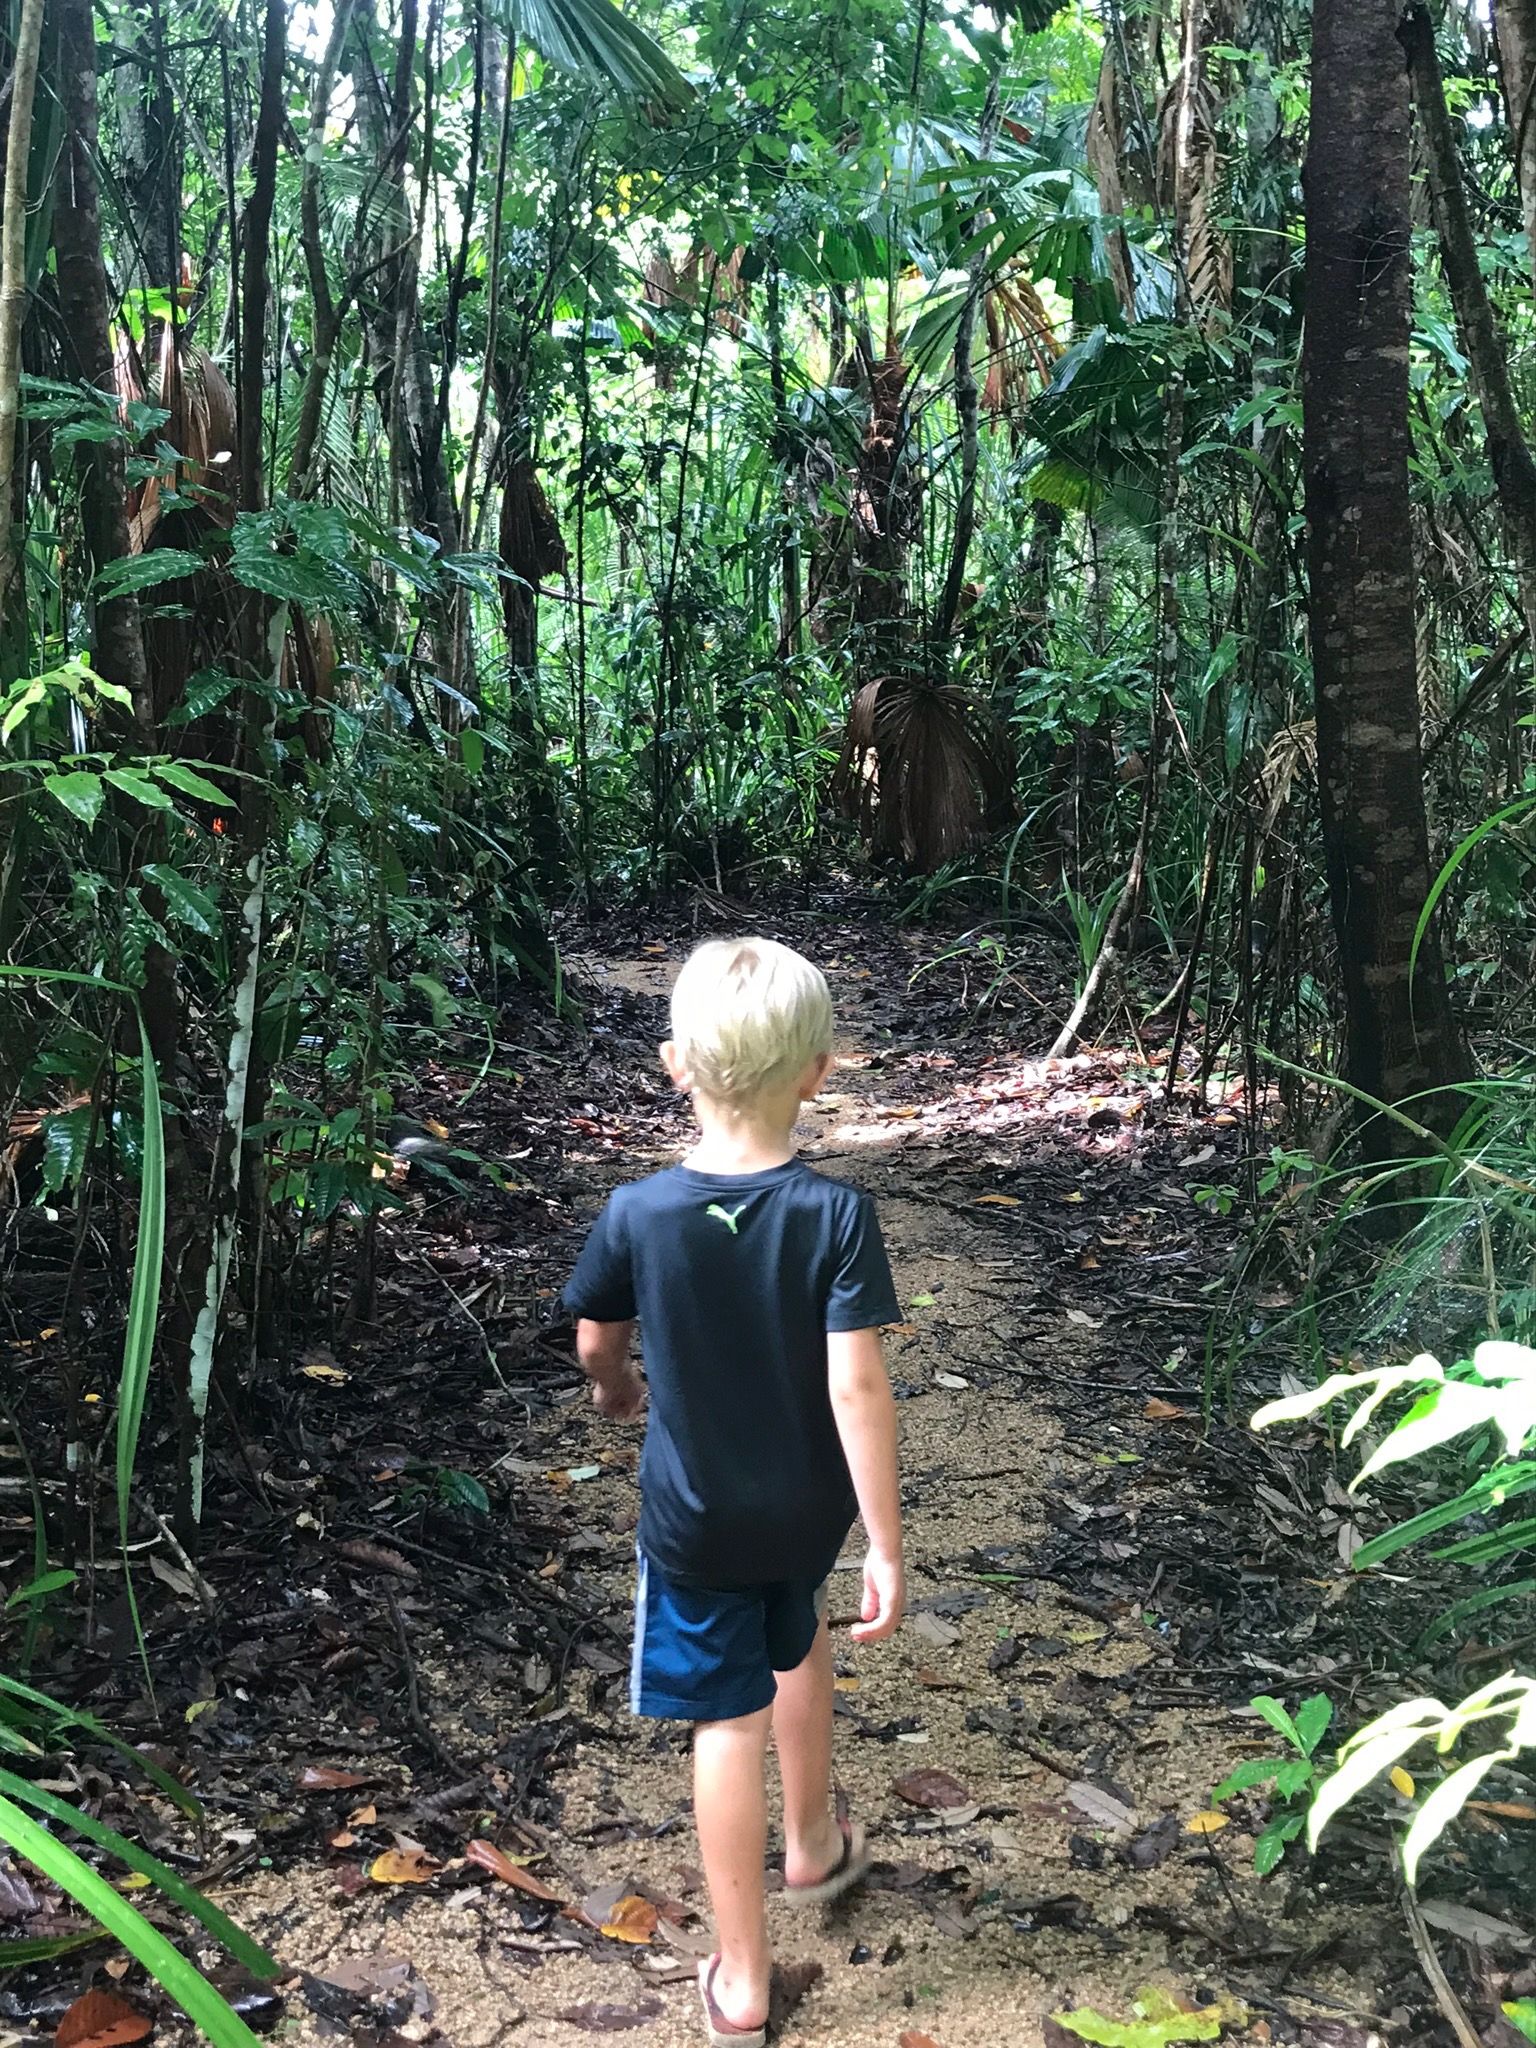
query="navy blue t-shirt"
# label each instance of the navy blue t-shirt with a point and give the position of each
(736, 1280)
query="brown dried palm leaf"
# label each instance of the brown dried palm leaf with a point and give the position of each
(1022, 345)
(1106, 154)
(1290, 754)
(189, 385)
(925, 769)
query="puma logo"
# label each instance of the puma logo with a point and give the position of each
(726, 1216)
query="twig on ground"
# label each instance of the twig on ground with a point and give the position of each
(1434, 1971)
(412, 1684)
(207, 1599)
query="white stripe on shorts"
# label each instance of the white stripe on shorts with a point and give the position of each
(637, 1656)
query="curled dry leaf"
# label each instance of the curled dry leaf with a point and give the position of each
(633, 1919)
(611, 2019)
(911, 2039)
(404, 1866)
(1159, 1410)
(102, 2020)
(486, 1856)
(933, 1790)
(325, 1778)
(376, 1557)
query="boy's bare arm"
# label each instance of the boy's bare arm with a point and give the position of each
(603, 1349)
(865, 1411)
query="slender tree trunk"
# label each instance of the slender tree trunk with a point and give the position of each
(13, 282)
(967, 401)
(1401, 1035)
(326, 311)
(790, 634)
(1509, 456)
(1514, 24)
(264, 632)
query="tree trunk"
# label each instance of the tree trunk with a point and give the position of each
(967, 402)
(1400, 1032)
(1509, 457)
(13, 275)
(1514, 24)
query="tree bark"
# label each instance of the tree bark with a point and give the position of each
(1401, 1036)
(1509, 456)
(1514, 24)
(13, 274)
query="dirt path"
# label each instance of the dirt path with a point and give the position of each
(1091, 1613)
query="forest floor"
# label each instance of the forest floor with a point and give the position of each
(1099, 1583)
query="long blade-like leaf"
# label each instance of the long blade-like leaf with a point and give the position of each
(168, 1966)
(219, 1925)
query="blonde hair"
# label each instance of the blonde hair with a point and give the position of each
(747, 1014)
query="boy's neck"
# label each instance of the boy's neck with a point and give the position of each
(743, 1140)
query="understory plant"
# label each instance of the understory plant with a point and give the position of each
(1294, 1777)
(1490, 1402)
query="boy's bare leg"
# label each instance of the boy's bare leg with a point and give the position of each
(730, 1806)
(802, 1731)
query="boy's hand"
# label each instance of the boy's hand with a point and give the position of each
(885, 1598)
(621, 1398)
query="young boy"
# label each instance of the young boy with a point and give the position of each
(760, 1287)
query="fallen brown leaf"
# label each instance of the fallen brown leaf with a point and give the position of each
(916, 2040)
(486, 1856)
(633, 1919)
(325, 1778)
(611, 2019)
(100, 2019)
(375, 1557)
(932, 1789)
(1159, 1410)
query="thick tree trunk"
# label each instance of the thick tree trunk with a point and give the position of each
(1514, 24)
(1509, 456)
(13, 274)
(1401, 1036)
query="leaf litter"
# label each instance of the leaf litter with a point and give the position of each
(1095, 1583)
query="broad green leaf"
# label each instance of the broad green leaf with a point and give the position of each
(79, 791)
(184, 901)
(1521, 2014)
(1270, 1709)
(30, 698)
(1258, 1770)
(144, 572)
(1293, 1777)
(66, 1136)
(1493, 1489)
(1313, 1718)
(133, 782)
(185, 778)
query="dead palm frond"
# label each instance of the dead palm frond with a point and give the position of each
(1290, 755)
(188, 384)
(1022, 345)
(925, 769)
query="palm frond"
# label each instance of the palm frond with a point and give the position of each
(593, 39)
(925, 768)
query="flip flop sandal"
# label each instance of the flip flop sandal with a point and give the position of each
(724, 2033)
(851, 1868)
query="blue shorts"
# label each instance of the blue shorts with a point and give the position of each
(709, 1653)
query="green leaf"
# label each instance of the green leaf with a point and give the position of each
(79, 791)
(1293, 1777)
(1257, 1770)
(43, 1948)
(30, 698)
(1521, 2014)
(1357, 1770)
(133, 782)
(239, 1944)
(463, 1490)
(180, 776)
(170, 1969)
(444, 1008)
(1313, 1718)
(40, 1588)
(1493, 1489)
(65, 1138)
(184, 901)
(1159, 2023)
(1474, 1603)
(1269, 1709)
(596, 41)
(142, 572)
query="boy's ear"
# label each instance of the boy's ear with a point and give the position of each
(677, 1069)
(815, 1074)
